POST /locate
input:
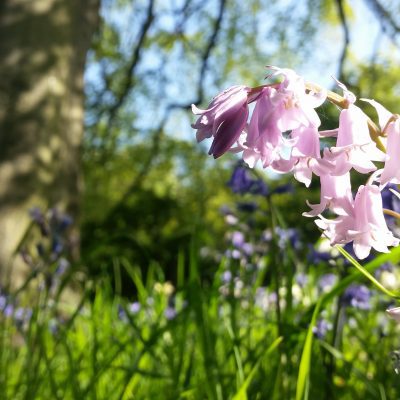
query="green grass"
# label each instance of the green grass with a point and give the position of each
(217, 347)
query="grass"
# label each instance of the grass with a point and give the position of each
(217, 344)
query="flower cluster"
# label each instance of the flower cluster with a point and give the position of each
(283, 133)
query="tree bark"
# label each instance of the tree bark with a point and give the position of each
(43, 46)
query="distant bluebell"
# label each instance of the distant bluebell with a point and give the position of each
(248, 206)
(134, 307)
(226, 276)
(357, 296)
(237, 239)
(315, 257)
(241, 180)
(321, 328)
(326, 281)
(301, 279)
(286, 188)
(170, 313)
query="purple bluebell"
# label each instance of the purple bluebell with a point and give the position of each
(22, 316)
(3, 302)
(326, 281)
(248, 249)
(8, 310)
(226, 277)
(134, 307)
(170, 313)
(241, 180)
(301, 279)
(248, 206)
(121, 313)
(316, 257)
(286, 188)
(259, 187)
(321, 328)
(237, 239)
(357, 296)
(389, 200)
(288, 236)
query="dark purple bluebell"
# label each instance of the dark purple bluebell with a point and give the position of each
(357, 296)
(349, 248)
(248, 206)
(241, 180)
(389, 200)
(316, 257)
(287, 188)
(259, 187)
(321, 328)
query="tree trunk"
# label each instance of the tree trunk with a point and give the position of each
(43, 46)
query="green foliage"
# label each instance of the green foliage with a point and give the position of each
(216, 346)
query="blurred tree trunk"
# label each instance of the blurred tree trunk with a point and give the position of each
(43, 46)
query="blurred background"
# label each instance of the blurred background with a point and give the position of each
(139, 242)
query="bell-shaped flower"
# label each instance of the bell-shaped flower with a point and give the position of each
(365, 226)
(264, 140)
(354, 147)
(335, 195)
(390, 125)
(224, 119)
(391, 170)
(306, 155)
(296, 105)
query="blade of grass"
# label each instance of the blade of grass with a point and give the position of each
(241, 394)
(304, 369)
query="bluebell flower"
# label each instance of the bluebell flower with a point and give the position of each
(357, 296)
(315, 257)
(326, 281)
(248, 206)
(241, 180)
(258, 186)
(301, 279)
(121, 313)
(389, 200)
(226, 276)
(286, 188)
(170, 313)
(134, 307)
(321, 328)
(237, 239)
(8, 310)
